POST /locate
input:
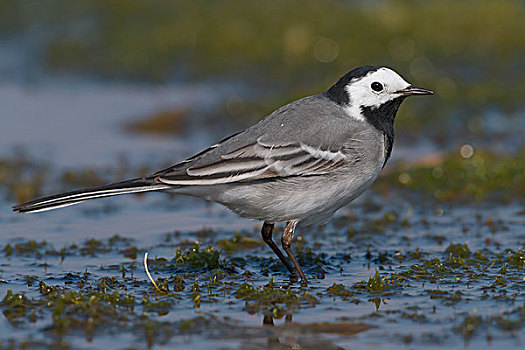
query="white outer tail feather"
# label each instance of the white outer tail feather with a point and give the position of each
(71, 198)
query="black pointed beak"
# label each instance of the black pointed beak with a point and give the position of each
(412, 90)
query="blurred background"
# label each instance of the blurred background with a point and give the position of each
(107, 85)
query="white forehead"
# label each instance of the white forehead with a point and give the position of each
(360, 92)
(386, 76)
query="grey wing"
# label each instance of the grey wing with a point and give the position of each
(256, 161)
(278, 146)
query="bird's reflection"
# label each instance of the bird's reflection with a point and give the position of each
(297, 336)
(268, 321)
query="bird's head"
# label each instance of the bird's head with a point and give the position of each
(371, 87)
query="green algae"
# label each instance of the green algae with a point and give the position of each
(69, 309)
(516, 259)
(239, 242)
(29, 247)
(271, 296)
(178, 284)
(481, 177)
(375, 284)
(130, 252)
(458, 250)
(339, 290)
(508, 321)
(16, 306)
(198, 258)
(81, 178)
(21, 178)
(171, 121)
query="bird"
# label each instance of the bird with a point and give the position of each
(299, 164)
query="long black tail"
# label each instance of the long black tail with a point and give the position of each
(75, 197)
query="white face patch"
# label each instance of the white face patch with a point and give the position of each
(361, 93)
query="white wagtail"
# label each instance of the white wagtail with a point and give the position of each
(299, 164)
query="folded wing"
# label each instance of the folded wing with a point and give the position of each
(256, 161)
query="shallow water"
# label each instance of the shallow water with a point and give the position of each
(411, 313)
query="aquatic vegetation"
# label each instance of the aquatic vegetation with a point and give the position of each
(239, 242)
(30, 247)
(339, 290)
(81, 178)
(15, 305)
(130, 252)
(271, 296)
(21, 178)
(458, 250)
(163, 122)
(69, 309)
(196, 258)
(481, 176)
(375, 284)
(508, 321)
(93, 246)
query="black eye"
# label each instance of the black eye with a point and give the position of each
(376, 86)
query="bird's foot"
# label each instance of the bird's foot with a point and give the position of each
(294, 277)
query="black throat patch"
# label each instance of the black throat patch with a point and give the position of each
(382, 118)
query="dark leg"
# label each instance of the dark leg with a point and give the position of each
(268, 321)
(286, 241)
(266, 234)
